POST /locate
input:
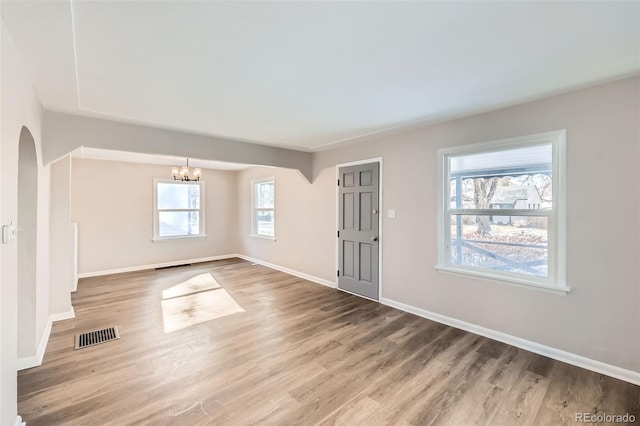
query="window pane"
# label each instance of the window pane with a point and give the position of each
(178, 196)
(505, 192)
(501, 243)
(173, 224)
(531, 156)
(264, 193)
(510, 179)
(265, 223)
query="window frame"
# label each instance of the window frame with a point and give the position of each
(156, 211)
(555, 281)
(255, 209)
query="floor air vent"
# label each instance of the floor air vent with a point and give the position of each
(91, 338)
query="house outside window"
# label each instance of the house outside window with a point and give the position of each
(178, 209)
(503, 217)
(263, 212)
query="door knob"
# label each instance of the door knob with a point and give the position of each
(374, 239)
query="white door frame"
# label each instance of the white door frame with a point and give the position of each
(381, 216)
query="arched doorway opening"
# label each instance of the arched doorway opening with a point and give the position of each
(27, 243)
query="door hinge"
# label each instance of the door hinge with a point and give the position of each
(338, 271)
(338, 182)
(338, 234)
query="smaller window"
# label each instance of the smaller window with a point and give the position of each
(263, 208)
(178, 209)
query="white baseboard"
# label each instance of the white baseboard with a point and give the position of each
(63, 315)
(289, 271)
(36, 360)
(19, 421)
(155, 265)
(557, 354)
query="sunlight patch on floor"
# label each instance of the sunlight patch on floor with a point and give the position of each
(197, 300)
(192, 285)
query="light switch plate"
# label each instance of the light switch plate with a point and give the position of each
(8, 233)
(391, 214)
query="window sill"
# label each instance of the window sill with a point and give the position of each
(182, 237)
(525, 283)
(263, 237)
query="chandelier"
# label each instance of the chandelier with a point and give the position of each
(184, 173)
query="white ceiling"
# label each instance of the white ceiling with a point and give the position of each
(309, 75)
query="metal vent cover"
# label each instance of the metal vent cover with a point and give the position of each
(96, 337)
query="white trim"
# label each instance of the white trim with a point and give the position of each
(179, 237)
(71, 313)
(263, 237)
(560, 208)
(557, 354)
(155, 265)
(556, 253)
(36, 360)
(507, 143)
(156, 211)
(288, 271)
(75, 52)
(504, 279)
(381, 216)
(19, 421)
(74, 228)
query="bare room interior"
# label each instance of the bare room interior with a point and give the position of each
(319, 213)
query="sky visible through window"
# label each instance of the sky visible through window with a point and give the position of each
(264, 193)
(178, 209)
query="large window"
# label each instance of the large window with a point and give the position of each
(502, 210)
(178, 209)
(264, 208)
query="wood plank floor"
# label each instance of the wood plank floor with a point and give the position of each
(281, 350)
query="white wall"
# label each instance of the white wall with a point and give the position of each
(600, 318)
(112, 202)
(27, 243)
(305, 221)
(65, 132)
(20, 107)
(62, 254)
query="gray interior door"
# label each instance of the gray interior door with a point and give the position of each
(359, 218)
